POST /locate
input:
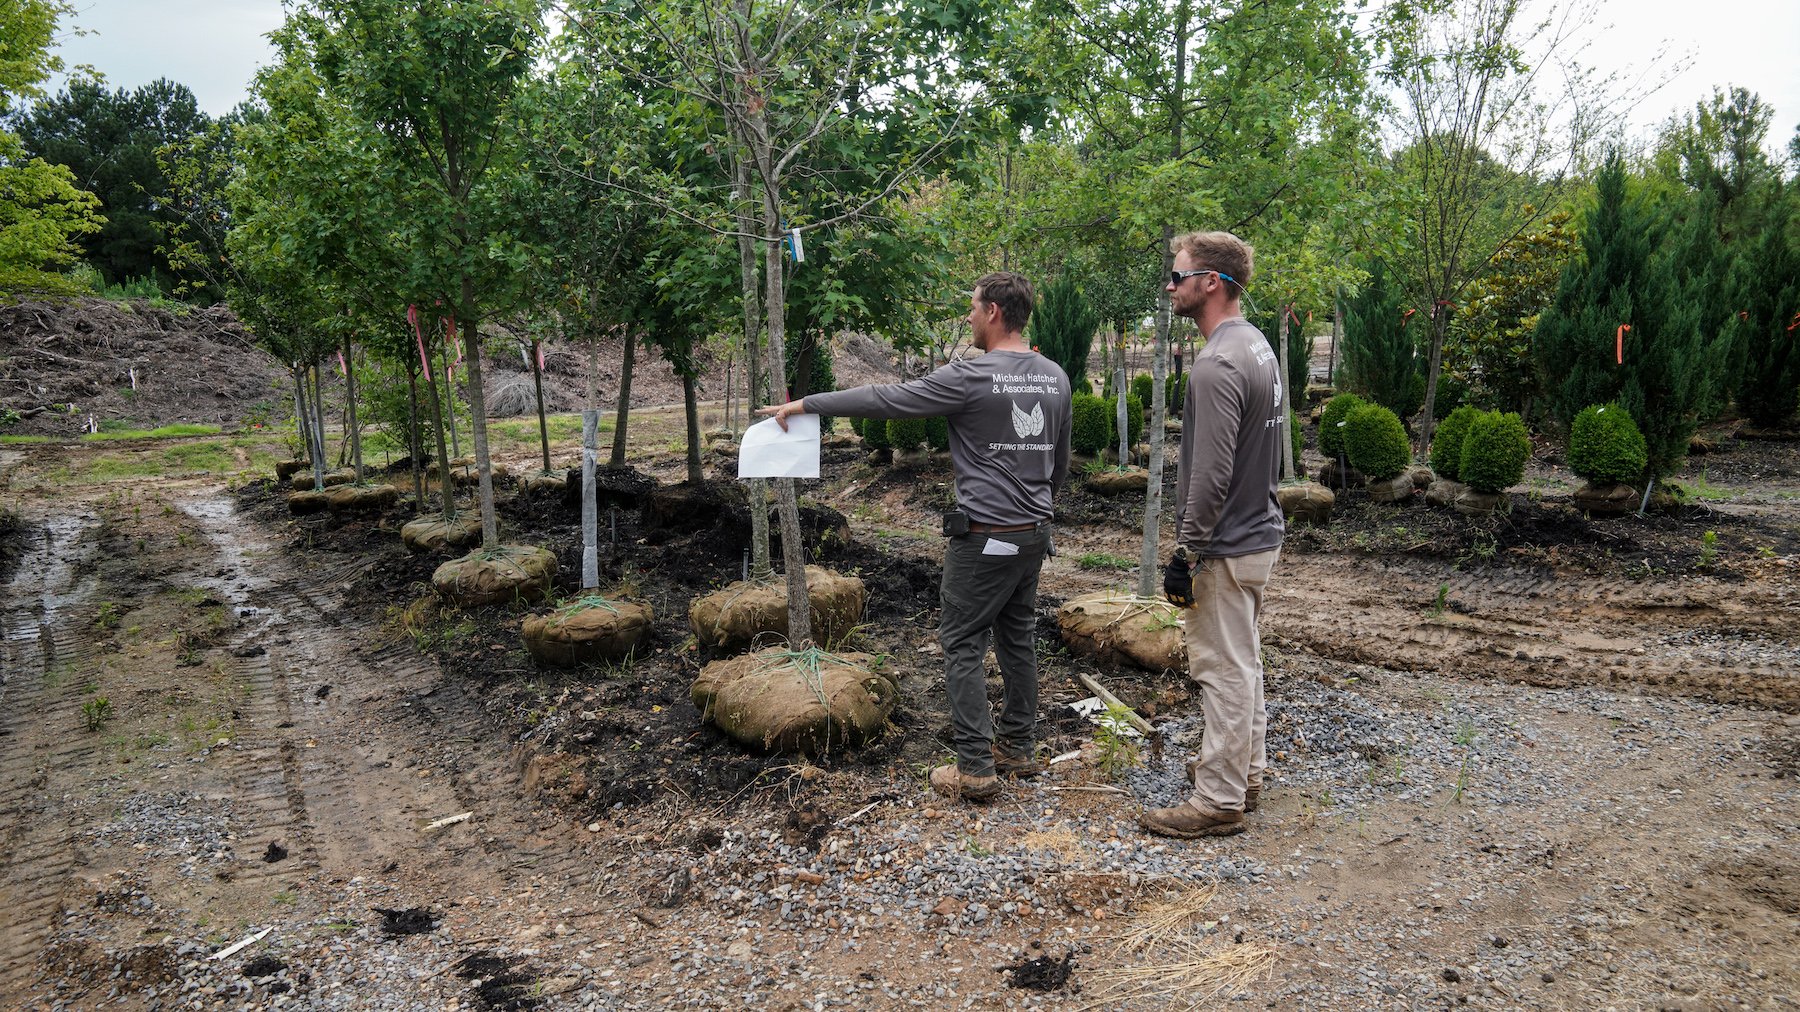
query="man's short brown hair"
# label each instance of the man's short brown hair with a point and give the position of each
(1219, 251)
(1011, 292)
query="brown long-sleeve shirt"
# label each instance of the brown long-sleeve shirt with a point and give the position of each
(1233, 424)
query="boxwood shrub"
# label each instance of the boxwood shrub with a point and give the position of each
(1141, 385)
(1331, 427)
(874, 433)
(906, 433)
(937, 434)
(1494, 452)
(1375, 442)
(1605, 444)
(1092, 424)
(1447, 441)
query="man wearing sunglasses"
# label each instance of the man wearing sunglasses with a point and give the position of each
(1009, 415)
(1228, 532)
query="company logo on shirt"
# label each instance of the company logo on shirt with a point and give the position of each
(1028, 425)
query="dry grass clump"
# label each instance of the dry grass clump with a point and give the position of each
(1185, 971)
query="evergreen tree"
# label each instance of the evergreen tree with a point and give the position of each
(1062, 328)
(1638, 268)
(1765, 290)
(1381, 359)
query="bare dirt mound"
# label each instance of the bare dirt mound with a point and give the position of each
(132, 363)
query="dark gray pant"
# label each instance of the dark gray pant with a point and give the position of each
(983, 592)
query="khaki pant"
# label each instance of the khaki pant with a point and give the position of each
(1225, 657)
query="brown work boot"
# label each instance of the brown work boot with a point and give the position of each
(954, 783)
(1185, 822)
(1252, 792)
(1008, 763)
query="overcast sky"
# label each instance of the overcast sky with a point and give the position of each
(215, 46)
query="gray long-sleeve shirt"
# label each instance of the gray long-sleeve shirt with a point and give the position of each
(1009, 415)
(1232, 428)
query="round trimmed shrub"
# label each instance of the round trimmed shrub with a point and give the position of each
(1606, 445)
(937, 434)
(1331, 427)
(1375, 442)
(1447, 441)
(1142, 386)
(906, 433)
(874, 433)
(1494, 452)
(1091, 424)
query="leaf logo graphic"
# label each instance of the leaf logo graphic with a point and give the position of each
(1028, 425)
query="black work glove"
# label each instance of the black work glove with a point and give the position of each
(1178, 580)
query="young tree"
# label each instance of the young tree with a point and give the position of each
(1381, 345)
(1765, 289)
(44, 214)
(1489, 138)
(437, 82)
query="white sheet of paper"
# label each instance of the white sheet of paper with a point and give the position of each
(768, 452)
(995, 546)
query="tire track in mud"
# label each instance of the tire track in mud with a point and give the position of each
(46, 661)
(343, 761)
(1527, 625)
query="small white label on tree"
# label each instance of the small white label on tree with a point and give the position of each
(768, 452)
(799, 248)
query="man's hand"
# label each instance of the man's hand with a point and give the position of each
(780, 412)
(1178, 580)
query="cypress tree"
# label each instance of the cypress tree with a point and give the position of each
(1062, 327)
(1765, 294)
(1381, 354)
(1647, 270)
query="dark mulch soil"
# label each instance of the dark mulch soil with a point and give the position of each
(263, 966)
(1042, 973)
(411, 921)
(15, 538)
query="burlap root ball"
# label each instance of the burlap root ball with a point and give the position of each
(306, 501)
(1608, 499)
(587, 629)
(1307, 502)
(303, 480)
(432, 533)
(740, 613)
(781, 702)
(1116, 628)
(360, 498)
(496, 576)
(1119, 481)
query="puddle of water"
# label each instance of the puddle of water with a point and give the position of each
(46, 584)
(235, 543)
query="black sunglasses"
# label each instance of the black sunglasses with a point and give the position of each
(1177, 277)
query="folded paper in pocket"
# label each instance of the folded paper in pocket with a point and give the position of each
(995, 546)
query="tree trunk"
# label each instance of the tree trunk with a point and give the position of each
(1121, 387)
(448, 487)
(690, 405)
(415, 445)
(356, 460)
(787, 503)
(1439, 325)
(1337, 337)
(484, 471)
(1147, 558)
(537, 379)
(622, 415)
(318, 426)
(761, 570)
(1287, 442)
(449, 400)
(302, 416)
(590, 509)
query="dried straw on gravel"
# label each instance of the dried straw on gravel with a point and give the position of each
(1196, 972)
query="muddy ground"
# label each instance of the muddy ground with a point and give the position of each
(1537, 761)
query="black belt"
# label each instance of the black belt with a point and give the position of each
(1000, 528)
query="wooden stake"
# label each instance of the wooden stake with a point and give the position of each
(1131, 716)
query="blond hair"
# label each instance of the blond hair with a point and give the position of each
(1219, 251)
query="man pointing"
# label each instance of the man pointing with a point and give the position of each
(1008, 411)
